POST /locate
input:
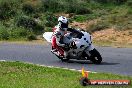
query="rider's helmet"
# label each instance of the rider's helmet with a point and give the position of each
(63, 22)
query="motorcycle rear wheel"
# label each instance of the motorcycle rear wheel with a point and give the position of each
(62, 59)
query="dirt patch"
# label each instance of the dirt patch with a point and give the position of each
(33, 2)
(83, 25)
(113, 36)
(68, 15)
(79, 25)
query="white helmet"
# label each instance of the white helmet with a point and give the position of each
(62, 19)
(63, 22)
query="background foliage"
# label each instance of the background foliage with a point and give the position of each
(25, 19)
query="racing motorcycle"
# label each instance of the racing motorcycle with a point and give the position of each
(79, 47)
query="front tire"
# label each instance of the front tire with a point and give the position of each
(95, 57)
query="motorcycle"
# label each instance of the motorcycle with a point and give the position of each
(79, 47)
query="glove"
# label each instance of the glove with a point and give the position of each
(66, 45)
(73, 45)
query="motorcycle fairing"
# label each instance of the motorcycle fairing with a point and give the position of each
(48, 36)
(85, 41)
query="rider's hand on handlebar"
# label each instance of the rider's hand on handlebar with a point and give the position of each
(66, 45)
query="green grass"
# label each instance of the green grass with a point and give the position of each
(23, 75)
(80, 18)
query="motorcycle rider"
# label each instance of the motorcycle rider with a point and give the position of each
(58, 35)
(59, 32)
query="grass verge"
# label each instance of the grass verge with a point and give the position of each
(23, 75)
(26, 42)
(111, 44)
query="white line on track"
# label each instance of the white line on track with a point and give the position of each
(53, 67)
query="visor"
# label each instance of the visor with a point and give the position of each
(63, 25)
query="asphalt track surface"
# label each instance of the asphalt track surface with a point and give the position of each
(115, 60)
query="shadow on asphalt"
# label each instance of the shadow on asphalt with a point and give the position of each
(89, 62)
(80, 61)
(108, 63)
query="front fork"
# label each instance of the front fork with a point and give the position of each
(88, 49)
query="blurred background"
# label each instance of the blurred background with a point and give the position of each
(109, 21)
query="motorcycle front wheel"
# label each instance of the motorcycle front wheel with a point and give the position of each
(95, 57)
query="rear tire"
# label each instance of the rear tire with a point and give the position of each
(95, 57)
(62, 59)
